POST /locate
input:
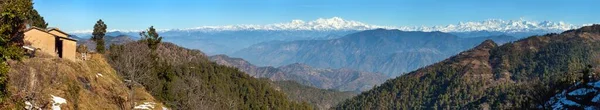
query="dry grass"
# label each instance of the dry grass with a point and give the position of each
(86, 85)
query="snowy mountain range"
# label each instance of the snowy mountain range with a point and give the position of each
(337, 23)
(500, 26)
(218, 39)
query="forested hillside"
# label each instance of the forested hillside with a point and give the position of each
(339, 79)
(186, 79)
(321, 99)
(517, 75)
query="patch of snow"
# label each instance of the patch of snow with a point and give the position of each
(29, 47)
(596, 98)
(595, 84)
(559, 100)
(57, 102)
(165, 108)
(582, 91)
(566, 101)
(28, 105)
(555, 99)
(145, 106)
(591, 108)
(99, 75)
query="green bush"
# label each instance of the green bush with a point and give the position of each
(13, 16)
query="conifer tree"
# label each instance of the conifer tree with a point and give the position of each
(14, 17)
(151, 37)
(98, 35)
(587, 74)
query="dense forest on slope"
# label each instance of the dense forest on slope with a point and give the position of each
(521, 74)
(339, 79)
(390, 52)
(186, 79)
(321, 99)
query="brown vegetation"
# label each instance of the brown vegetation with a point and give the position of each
(90, 84)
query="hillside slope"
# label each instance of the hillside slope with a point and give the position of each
(339, 79)
(92, 84)
(320, 98)
(186, 79)
(523, 74)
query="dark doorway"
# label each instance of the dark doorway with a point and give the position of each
(59, 47)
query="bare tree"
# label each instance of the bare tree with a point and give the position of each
(132, 63)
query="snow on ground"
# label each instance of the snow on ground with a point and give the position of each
(28, 105)
(595, 84)
(99, 75)
(145, 106)
(582, 91)
(582, 96)
(591, 108)
(561, 101)
(596, 98)
(57, 101)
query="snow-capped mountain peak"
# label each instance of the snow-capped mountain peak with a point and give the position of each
(520, 25)
(337, 23)
(321, 24)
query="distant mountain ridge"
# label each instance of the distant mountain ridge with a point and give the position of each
(227, 42)
(228, 39)
(339, 79)
(109, 40)
(338, 23)
(391, 52)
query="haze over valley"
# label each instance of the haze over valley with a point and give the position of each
(338, 43)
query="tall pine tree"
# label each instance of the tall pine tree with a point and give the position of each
(98, 35)
(151, 37)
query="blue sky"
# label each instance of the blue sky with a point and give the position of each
(71, 15)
